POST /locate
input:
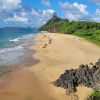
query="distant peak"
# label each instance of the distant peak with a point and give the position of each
(54, 14)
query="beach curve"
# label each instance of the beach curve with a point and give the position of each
(35, 82)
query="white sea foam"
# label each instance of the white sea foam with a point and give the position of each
(21, 38)
(11, 49)
(21, 43)
(15, 40)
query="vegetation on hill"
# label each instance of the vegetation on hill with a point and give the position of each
(88, 30)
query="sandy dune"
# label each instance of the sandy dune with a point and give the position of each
(35, 82)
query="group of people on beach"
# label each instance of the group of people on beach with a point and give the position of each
(49, 40)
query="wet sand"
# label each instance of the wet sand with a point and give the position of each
(54, 57)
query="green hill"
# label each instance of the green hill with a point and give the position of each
(87, 30)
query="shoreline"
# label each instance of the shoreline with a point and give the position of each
(6, 69)
(34, 82)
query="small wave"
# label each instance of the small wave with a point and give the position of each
(15, 40)
(21, 38)
(11, 49)
(21, 42)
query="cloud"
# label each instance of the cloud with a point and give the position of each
(97, 2)
(22, 18)
(42, 16)
(97, 12)
(74, 11)
(9, 5)
(96, 17)
(46, 2)
(13, 12)
(72, 16)
(74, 7)
(93, 18)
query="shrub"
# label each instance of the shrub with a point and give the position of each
(95, 95)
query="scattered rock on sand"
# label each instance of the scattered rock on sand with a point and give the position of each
(48, 40)
(44, 45)
(44, 35)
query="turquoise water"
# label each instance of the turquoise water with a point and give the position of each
(9, 37)
(13, 42)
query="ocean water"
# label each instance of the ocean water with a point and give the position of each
(12, 44)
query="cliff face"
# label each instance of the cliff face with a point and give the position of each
(50, 25)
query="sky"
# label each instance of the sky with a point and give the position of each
(34, 13)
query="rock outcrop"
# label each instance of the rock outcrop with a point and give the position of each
(84, 75)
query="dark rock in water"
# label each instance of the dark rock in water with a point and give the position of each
(82, 76)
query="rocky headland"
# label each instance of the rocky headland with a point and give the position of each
(84, 75)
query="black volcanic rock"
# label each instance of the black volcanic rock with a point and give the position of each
(84, 75)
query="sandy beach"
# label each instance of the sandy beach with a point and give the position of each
(55, 53)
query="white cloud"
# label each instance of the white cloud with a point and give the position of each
(9, 5)
(43, 15)
(96, 17)
(11, 13)
(97, 12)
(22, 18)
(74, 7)
(48, 12)
(72, 17)
(35, 13)
(97, 2)
(74, 11)
(46, 2)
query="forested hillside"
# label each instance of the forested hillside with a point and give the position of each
(88, 30)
